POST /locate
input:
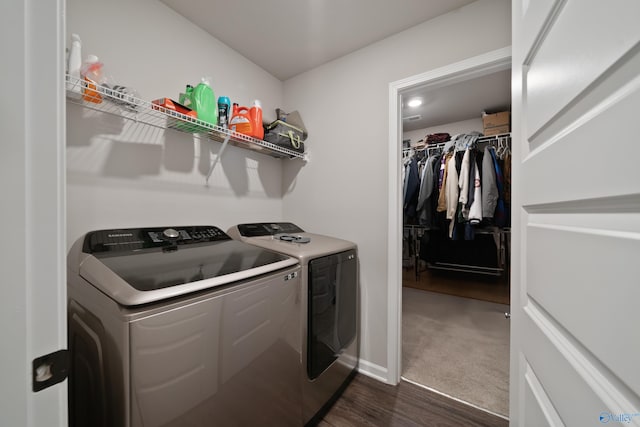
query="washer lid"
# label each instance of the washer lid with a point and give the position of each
(138, 275)
(296, 243)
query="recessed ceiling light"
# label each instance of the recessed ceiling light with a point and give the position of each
(415, 102)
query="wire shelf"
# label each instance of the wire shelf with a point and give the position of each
(119, 103)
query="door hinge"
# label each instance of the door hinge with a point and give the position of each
(50, 369)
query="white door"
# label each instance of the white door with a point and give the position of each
(575, 357)
(32, 255)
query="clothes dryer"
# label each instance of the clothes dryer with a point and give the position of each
(182, 326)
(330, 345)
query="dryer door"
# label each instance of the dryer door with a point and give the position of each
(333, 283)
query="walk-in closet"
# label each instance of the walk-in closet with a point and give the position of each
(456, 159)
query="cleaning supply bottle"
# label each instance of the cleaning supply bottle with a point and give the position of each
(74, 65)
(204, 102)
(92, 75)
(256, 119)
(248, 121)
(186, 98)
(224, 107)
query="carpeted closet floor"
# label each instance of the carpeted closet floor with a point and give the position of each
(458, 346)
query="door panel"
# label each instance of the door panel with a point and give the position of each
(539, 409)
(535, 14)
(580, 44)
(577, 163)
(583, 293)
(576, 213)
(564, 370)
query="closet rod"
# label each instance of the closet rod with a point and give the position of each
(504, 137)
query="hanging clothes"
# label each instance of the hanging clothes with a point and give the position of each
(500, 215)
(475, 210)
(489, 186)
(452, 193)
(506, 161)
(411, 186)
(428, 194)
(463, 185)
(442, 196)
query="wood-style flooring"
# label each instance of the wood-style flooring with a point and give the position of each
(467, 285)
(367, 402)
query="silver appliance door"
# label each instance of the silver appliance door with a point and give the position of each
(332, 309)
(231, 358)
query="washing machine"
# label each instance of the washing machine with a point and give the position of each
(330, 347)
(182, 326)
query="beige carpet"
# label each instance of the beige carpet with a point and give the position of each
(458, 346)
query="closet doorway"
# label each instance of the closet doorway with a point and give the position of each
(449, 313)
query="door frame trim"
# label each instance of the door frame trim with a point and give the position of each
(467, 69)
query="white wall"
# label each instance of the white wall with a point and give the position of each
(343, 191)
(122, 174)
(463, 126)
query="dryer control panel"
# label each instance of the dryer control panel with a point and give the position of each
(268, 229)
(130, 239)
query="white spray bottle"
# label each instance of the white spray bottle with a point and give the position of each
(73, 68)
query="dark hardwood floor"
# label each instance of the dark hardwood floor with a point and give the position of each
(367, 402)
(467, 285)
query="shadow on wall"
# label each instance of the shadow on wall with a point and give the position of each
(93, 124)
(125, 149)
(124, 160)
(290, 174)
(178, 155)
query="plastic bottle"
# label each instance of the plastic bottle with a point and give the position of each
(186, 98)
(248, 121)
(92, 76)
(256, 118)
(204, 102)
(74, 65)
(224, 107)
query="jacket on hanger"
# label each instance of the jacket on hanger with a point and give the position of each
(489, 185)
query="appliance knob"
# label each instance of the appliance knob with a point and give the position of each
(170, 233)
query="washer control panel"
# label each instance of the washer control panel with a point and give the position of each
(268, 229)
(118, 240)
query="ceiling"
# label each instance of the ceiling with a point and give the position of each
(461, 101)
(289, 37)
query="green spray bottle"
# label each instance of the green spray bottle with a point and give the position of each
(186, 98)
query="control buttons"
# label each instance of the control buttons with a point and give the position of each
(291, 276)
(170, 233)
(293, 239)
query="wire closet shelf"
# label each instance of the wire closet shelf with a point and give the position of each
(124, 105)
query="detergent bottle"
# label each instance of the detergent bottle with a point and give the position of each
(248, 121)
(204, 102)
(92, 75)
(256, 118)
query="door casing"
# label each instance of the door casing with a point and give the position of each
(467, 69)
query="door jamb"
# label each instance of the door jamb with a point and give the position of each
(476, 66)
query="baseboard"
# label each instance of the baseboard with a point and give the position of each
(372, 370)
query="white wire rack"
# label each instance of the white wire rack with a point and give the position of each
(116, 102)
